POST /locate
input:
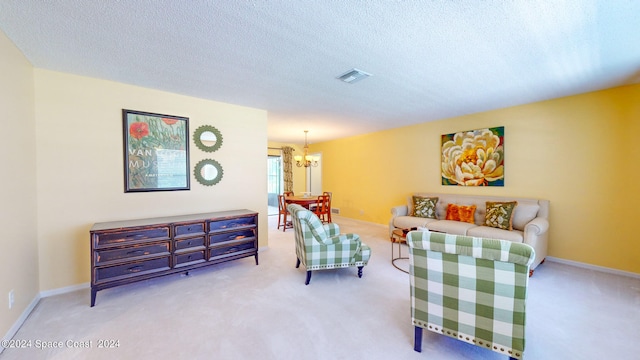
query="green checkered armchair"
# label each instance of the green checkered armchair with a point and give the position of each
(471, 289)
(321, 246)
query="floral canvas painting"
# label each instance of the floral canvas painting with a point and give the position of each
(156, 151)
(473, 158)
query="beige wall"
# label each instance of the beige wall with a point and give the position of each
(19, 255)
(579, 152)
(80, 165)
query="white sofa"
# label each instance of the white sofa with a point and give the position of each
(530, 220)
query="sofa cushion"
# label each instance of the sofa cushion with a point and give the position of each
(424, 207)
(450, 226)
(408, 222)
(524, 213)
(461, 213)
(494, 233)
(499, 214)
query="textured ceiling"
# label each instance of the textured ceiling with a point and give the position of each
(429, 59)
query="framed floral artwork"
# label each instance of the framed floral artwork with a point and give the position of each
(156, 151)
(473, 158)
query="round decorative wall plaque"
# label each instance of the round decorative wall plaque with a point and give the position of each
(208, 172)
(207, 138)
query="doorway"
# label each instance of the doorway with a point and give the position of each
(314, 176)
(274, 182)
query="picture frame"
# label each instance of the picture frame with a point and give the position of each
(156, 151)
(473, 157)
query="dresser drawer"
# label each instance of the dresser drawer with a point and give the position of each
(231, 236)
(132, 269)
(190, 229)
(118, 237)
(189, 258)
(190, 243)
(131, 253)
(224, 251)
(232, 223)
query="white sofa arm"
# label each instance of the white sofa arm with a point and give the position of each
(537, 226)
(400, 210)
(536, 234)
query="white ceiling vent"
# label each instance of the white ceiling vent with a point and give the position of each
(353, 75)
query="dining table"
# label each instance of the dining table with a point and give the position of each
(304, 201)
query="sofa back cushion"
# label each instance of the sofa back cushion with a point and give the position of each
(527, 209)
(524, 212)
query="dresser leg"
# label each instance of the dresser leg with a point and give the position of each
(256, 258)
(93, 296)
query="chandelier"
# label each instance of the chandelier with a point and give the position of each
(308, 159)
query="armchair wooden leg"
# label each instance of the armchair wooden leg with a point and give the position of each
(360, 271)
(417, 339)
(297, 263)
(308, 277)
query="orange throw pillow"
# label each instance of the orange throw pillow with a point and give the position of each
(461, 213)
(452, 212)
(467, 213)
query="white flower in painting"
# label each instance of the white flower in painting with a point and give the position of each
(473, 158)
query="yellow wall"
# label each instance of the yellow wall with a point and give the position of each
(80, 165)
(19, 255)
(579, 152)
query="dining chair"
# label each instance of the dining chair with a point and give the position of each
(288, 193)
(282, 214)
(322, 208)
(330, 194)
(313, 207)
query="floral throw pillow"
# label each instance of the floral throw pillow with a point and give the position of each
(461, 213)
(500, 214)
(424, 207)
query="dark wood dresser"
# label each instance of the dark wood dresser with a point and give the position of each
(127, 251)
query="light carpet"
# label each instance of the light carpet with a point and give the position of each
(238, 310)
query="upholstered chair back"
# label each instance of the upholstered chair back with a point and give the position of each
(471, 289)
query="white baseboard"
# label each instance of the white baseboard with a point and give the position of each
(593, 267)
(23, 317)
(64, 290)
(43, 294)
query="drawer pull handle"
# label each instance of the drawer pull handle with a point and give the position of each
(135, 269)
(135, 252)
